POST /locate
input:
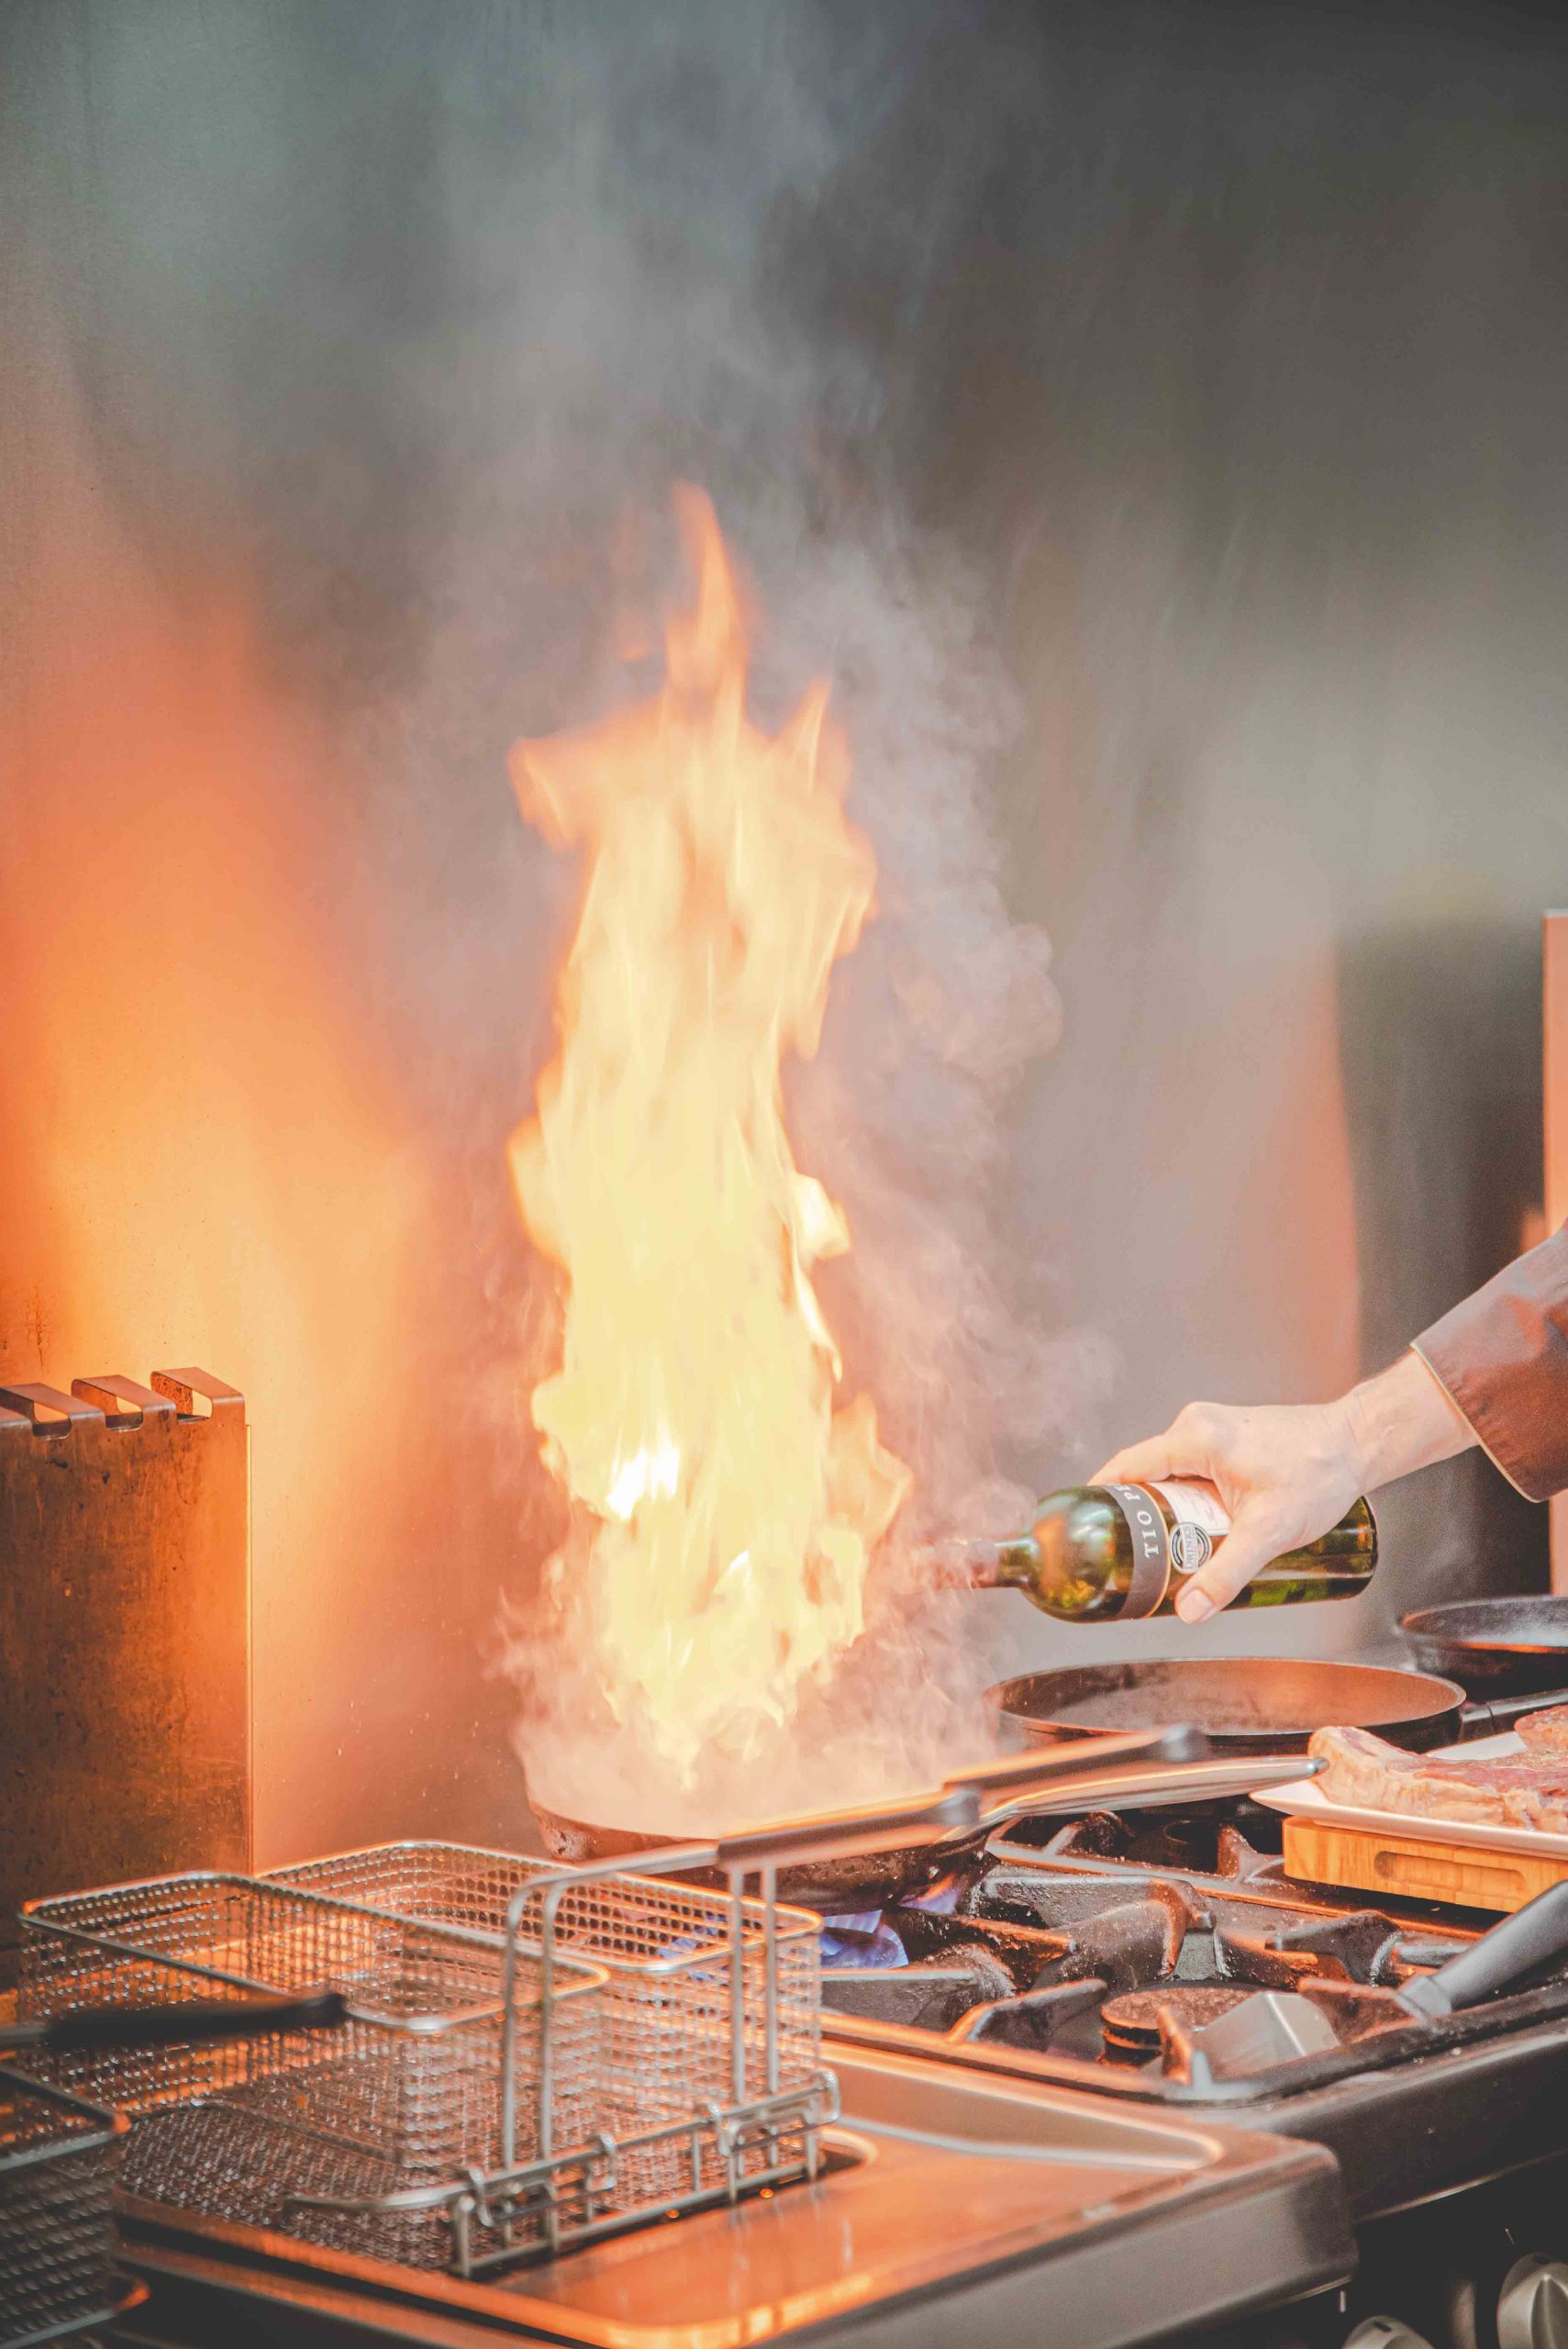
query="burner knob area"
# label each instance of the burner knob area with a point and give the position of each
(1385, 2333)
(1532, 2307)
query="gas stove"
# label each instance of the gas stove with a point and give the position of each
(1048, 2118)
(1139, 1959)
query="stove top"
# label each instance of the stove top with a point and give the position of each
(1143, 1958)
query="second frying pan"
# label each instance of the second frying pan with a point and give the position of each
(1487, 1644)
(1250, 1704)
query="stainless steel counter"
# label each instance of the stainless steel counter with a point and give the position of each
(954, 2200)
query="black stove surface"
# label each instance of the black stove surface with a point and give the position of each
(1117, 1954)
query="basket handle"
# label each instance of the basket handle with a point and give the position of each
(96, 2029)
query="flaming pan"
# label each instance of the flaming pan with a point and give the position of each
(837, 1886)
(1139, 1768)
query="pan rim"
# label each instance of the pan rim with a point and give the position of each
(1447, 1697)
(1436, 1623)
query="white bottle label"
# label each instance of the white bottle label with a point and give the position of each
(1202, 1519)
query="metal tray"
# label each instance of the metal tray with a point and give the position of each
(58, 2160)
(949, 2201)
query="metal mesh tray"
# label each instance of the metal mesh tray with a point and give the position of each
(413, 2079)
(669, 1951)
(58, 2160)
(231, 2160)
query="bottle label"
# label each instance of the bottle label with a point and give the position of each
(1201, 1518)
(1150, 1551)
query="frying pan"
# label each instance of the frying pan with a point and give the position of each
(1252, 1704)
(838, 1885)
(1145, 1767)
(1494, 1643)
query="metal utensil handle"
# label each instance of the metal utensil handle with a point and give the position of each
(1490, 1716)
(1079, 1757)
(102, 2028)
(884, 1827)
(1163, 1782)
(1534, 1936)
(830, 1834)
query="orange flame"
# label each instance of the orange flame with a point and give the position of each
(734, 1510)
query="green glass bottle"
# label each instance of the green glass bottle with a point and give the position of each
(1106, 1553)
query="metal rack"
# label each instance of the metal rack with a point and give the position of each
(665, 1947)
(405, 2096)
(534, 2057)
(57, 2159)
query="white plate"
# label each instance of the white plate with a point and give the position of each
(1305, 1798)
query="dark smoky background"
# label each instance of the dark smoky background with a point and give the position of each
(1151, 418)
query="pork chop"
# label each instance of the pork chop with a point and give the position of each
(1545, 1732)
(1370, 1774)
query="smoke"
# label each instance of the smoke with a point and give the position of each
(948, 1003)
(635, 290)
(351, 351)
(408, 347)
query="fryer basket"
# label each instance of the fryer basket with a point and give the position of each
(407, 2094)
(534, 2057)
(58, 2160)
(667, 1951)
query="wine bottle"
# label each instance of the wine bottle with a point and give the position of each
(1106, 1554)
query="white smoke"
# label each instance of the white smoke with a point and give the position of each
(665, 328)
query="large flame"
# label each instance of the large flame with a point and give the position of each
(733, 1509)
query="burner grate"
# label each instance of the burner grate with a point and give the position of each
(1101, 1948)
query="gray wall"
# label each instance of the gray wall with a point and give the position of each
(1150, 415)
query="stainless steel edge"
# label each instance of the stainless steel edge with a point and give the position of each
(974, 2203)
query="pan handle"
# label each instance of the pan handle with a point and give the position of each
(1534, 1936)
(1080, 1758)
(1489, 1716)
(830, 1833)
(1156, 1784)
(93, 2029)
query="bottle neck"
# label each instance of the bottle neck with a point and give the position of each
(984, 1564)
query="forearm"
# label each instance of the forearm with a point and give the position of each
(1502, 1356)
(1401, 1421)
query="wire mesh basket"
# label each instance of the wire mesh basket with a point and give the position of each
(58, 2160)
(669, 1953)
(407, 2094)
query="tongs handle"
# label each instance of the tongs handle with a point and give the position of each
(1509, 1953)
(1153, 1784)
(830, 1834)
(1080, 1758)
(100, 2029)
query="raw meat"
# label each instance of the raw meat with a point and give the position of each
(1545, 1732)
(1370, 1774)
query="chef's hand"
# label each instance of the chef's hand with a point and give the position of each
(1287, 1472)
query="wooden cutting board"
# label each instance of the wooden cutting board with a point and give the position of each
(1369, 1860)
